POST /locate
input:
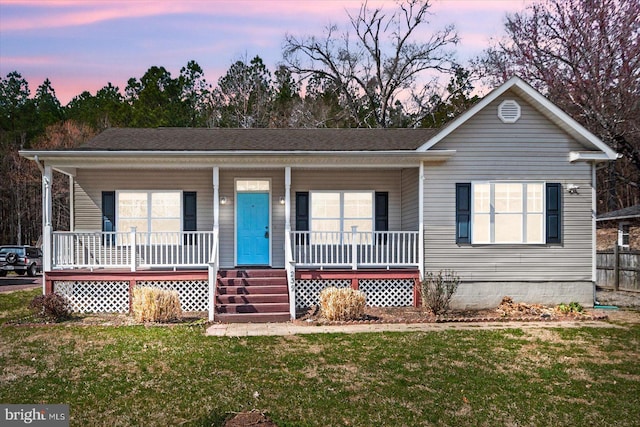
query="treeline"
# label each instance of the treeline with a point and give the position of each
(376, 71)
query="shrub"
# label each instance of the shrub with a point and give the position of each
(572, 307)
(155, 305)
(438, 289)
(51, 307)
(342, 303)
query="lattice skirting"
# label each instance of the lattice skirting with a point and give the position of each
(100, 296)
(380, 292)
(94, 296)
(388, 292)
(194, 294)
(308, 291)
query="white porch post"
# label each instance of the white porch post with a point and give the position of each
(421, 219)
(594, 207)
(132, 247)
(287, 198)
(47, 228)
(213, 269)
(216, 197)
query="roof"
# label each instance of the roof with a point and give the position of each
(598, 150)
(257, 139)
(625, 213)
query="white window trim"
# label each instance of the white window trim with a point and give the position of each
(149, 219)
(621, 234)
(341, 217)
(523, 213)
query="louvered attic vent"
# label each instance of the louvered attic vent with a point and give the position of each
(509, 111)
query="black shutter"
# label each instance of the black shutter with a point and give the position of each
(381, 220)
(382, 211)
(189, 214)
(554, 213)
(302, 214)
(109, 213)
(463, 213)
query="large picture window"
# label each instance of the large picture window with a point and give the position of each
(508, 212)
(337, 211)
(149, 211)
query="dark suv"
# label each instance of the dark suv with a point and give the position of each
(21, 259)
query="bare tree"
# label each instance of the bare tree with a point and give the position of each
(386, 57)
(585, 56)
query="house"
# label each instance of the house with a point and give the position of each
(250, 224)
(621, 227)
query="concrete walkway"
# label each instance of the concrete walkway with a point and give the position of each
(288, 328)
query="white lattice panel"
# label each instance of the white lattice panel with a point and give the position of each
(95, 296)
(194, 294)
(388, 292)
(308, 291)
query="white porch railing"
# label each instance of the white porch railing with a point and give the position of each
(131, 249)
(356, 249)
(214, 265)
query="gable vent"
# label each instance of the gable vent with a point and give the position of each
(509, 111)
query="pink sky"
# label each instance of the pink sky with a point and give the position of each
(81, 45)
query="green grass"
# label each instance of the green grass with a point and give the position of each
(138, 375)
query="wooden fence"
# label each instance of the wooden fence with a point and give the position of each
(619, 269)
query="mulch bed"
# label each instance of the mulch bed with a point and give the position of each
(507, 311)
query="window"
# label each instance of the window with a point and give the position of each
(336, 212)
(507, 212)
(623, 235)
(149, 211)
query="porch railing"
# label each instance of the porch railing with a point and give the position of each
(131, 249)
(356, 249)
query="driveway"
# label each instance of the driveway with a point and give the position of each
(16, 283)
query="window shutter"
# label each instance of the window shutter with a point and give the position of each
(189, 206)
(302, 214)
(109, 214)
(108, 211)
(382, 211)
(554, 213)
(189, 215)
(463, 213)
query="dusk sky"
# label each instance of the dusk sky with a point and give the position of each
(82, 44)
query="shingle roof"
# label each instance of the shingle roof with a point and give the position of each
(226, 139)
(630, 212)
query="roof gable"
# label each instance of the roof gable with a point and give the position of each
(540, 103)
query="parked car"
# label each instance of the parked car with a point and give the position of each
(21, 259)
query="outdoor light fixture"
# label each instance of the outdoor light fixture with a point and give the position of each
(223, 200)
(282, 200)
(572, 188)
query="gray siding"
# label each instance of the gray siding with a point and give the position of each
(410, 199)
(89, 185)
(366, 180)
(530, 149)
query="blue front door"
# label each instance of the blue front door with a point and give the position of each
(253, 229)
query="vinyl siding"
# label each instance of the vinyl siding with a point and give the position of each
(89, 185)
(340, 180)
(410, 199)
(530, 149)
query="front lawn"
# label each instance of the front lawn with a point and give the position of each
(136, 375)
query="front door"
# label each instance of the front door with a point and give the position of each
(253, 234)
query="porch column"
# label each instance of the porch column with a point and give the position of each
(47, 229)
(287, 198)
(216, 197)
(421, 219)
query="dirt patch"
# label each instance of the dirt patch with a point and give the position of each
(253, 418)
